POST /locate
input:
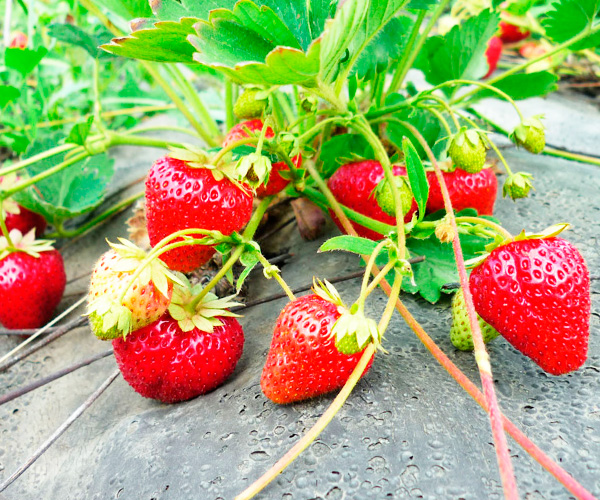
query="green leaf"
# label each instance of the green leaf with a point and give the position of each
(571, 17)
(80, 132)
(416, 175)
(8, 94)
(74, 35)
(344, 148)
(127, 9)
(460, 54)
(165, 42)
(318, 12)
(353, 244)
(385, 49)
(422, 4)
(524, 85)
(439, 266)
(74, 191)
(354, 27)
(24, 60)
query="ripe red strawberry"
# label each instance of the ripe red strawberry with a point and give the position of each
(32, 281)
(353, 185)
(19, 40)
(179, 196)
(143, 302)
(509, 33)
(493, 54)
(303, 361)
(466, 190)
(178, 359)
(536, 293)
(276, 183)
(18, 217)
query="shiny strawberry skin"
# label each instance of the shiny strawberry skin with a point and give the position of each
(30, 288)
(180, 197)
(303, 361)
(160, 361)
(353, 184)
(276, 183)
(509, 33)
(536, 293)
(493, 54)
(466, 190)
(25, 221)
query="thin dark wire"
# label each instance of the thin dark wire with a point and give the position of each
(52, 377)
(60, 431)
(59, 332)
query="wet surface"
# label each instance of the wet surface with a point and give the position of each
(407, 431)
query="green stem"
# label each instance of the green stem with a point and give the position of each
(61, 233)
(246, 141)
(370, 264)
(132, 140)
(285, 105)
(391, 304)
(407, 59)
(377, 279)
(380, 153)
(414, 50)
(41, 156)
(192, 95)
(440, 118)
(487, 86)
(230, 118)
(487, 223)
(153, 128)
(313, 131)
(273, 272)
(247, 235)
(3, 226)
(444, 105)
(321, 199)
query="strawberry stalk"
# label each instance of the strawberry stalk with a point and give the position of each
(272, 271)
(479, 221)
(481, 356)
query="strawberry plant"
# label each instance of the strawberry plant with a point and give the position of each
(331, 109)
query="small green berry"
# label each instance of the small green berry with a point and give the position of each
(385, 196)
(248, 105)
(460, 332)
(348, 345)
(530, 134)
(518, 185)
(468, 151)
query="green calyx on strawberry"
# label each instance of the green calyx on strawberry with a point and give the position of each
(352, 330)
(120, 302)
(535, 290)
(385, 196)
(203, 314)
(251, 104)
(32, 280)
(468, 150)
(518, 185)
(530, 134)
(460, 332)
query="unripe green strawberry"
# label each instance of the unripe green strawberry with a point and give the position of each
(385, 196)
(518, 185)
(248, 105)
(530, 134)
(468, 151)
(460, 332)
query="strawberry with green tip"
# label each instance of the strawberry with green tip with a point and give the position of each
(460, 332)
(191, 350)
(116, 304)
(32, 280)
(535, 290)
(250, 104)
(467, 150)
(530, 134)
(303, 361)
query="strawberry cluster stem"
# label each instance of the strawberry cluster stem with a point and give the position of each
(481, 356)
